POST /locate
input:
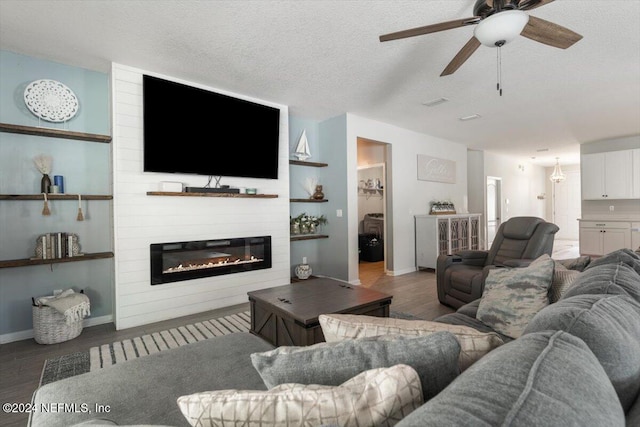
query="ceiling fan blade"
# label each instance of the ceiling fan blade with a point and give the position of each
(549, 33)
(442, 26)
(532, 4)
(467, 50)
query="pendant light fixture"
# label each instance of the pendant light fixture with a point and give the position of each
(557, 176)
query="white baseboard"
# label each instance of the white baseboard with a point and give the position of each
(28, 334)
(401, 272)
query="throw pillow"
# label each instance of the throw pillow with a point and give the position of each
(377, 397)
(512, 296)
(473, 344)
(434, 357)
(562, 279)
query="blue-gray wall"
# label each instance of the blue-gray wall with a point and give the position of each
(86, 167)
(335, 249)
(327, 141)
(297, 178)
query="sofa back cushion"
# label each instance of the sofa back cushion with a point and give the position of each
(607, 279)
(633, 416)
(542, 379)
(625, 256)
(610, 326)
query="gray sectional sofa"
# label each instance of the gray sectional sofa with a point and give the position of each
(577, 363)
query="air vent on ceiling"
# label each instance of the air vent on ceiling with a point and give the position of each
(435, 102)
(471, 117)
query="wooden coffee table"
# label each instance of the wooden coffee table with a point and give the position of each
(288, 315)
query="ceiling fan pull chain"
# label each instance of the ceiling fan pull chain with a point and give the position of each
(499, 63)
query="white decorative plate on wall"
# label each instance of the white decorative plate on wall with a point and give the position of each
(51, 100)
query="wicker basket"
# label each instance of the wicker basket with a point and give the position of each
(50, 326)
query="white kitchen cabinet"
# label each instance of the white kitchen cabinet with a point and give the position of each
(607, 175)
(443, 235)
(602, 237)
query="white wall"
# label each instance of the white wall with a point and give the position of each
(410, 196)
(520, 188)
(141, 219)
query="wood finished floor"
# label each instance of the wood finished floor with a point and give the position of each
(21, 362)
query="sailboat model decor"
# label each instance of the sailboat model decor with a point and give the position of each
(302, 149)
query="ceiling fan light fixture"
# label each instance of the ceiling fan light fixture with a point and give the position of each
(501, 28)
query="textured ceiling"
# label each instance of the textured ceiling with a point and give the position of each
(324, 58)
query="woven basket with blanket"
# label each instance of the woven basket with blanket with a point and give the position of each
(58, 318)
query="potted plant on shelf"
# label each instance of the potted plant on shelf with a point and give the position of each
(306, 224)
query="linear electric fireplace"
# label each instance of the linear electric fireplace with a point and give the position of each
(173, 262)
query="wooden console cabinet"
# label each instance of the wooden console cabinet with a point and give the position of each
(444, 235)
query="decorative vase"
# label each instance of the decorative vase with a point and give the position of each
(318, 195)
(303, 271)
(45, 183)
(312, 229)
(304, 229)
(295, 228)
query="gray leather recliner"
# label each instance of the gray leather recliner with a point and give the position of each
(460, 277)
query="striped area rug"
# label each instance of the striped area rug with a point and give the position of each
(117, 352)
(107, 355)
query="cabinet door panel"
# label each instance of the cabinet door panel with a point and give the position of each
(592, 176)
(590, 241)
(618, 174)
(615, 239)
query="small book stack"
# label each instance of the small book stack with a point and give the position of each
(57, 245)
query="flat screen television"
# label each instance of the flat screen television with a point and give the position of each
(195, 131)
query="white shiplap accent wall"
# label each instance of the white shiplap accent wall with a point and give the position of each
(140, 220)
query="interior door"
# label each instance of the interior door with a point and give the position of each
(494, 211)
(566, 206)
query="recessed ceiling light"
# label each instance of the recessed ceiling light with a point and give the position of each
(435, 102)
(471, 117)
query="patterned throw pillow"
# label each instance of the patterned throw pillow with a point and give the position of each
(513, 296)
(562, 279)
(473, 344)
(377, 397)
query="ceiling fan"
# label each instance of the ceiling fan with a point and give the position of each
(498, 22)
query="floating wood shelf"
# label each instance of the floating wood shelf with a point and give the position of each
(303, 163)
(308, 237)
(54, 133)
(233, 195)
(308, 200)
(55, 197)
(29, 261)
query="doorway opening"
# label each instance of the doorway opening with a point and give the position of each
(374, 252)
(494, 209)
